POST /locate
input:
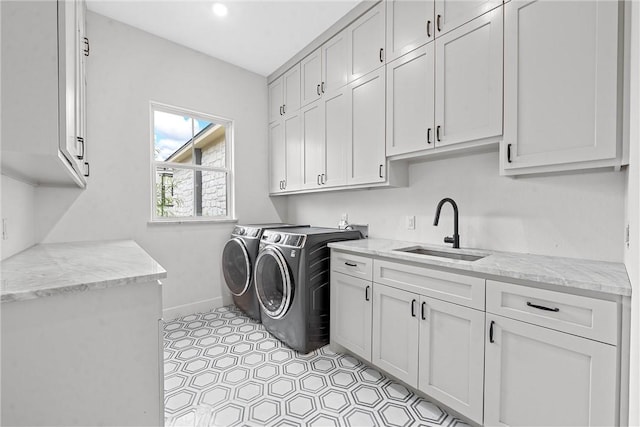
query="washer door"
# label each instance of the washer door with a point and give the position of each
(236, 266)
(273, 282)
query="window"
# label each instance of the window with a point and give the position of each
(191, 166)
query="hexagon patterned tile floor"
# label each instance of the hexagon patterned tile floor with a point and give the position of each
(223, 369)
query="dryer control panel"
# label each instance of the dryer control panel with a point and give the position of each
(283, 239)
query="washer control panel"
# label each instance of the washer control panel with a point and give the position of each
(239, 230)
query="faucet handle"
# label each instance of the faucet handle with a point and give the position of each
(449, 240)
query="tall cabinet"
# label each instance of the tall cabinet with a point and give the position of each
(44, 49)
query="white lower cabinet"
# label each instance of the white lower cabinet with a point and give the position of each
(395, 332)
(540, 377)
(432, 345)
(351, 313)
(451, 355)
(528, 369)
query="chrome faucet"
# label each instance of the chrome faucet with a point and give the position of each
(456, 237)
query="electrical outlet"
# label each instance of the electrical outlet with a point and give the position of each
(411, 222)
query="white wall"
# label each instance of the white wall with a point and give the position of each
(573, 215)
(632, 254)
(127, 69)
(18, 209)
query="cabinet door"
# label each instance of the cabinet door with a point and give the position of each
(313, 144)
(337, 137)
(68, 68)
(410, 109)
(560, 83)
(367, 155)
(276, 99)
(366, 43)
(293, 151)
(450, 14)
(351, 314)
(410, 24)
(291, 82)
(82, 51)
(451, 367)
(310, 74)
(395, 332)
(334, 63)
(469, 81)
(539, 377)
(277, 156)
(276, 94)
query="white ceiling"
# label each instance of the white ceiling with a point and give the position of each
(259, 35)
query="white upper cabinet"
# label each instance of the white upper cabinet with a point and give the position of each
(469, 81)
(310, 71)
(276, 99)
(313, 143)
(285, 148)
(325, 69)
(49, 37)
(366, 42)
(337, 137)
(450, 14)
(410, 102)
(410, 24)
(334, 63)
(561, 94)
(277, 153)
(284, 94)
(367, 155)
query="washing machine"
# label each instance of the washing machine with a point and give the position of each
(292, 283)
(238, 257)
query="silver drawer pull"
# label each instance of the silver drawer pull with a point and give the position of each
(541, 307)
(350, 264)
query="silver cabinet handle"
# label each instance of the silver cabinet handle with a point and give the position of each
(438, 22)
(87, 172)
(438, 133)
(318, 180)
(322, 87)
(322, 179)
(429, 28)
(318, 89)
(380, 171)
(284, 108)
(381, 54)
(429, 136)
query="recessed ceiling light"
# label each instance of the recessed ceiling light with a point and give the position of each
(220, 9)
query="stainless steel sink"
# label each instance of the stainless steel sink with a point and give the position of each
(451, 255)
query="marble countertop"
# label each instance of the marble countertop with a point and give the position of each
(57, 268)
(599, 276)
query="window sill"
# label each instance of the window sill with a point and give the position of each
(190, 221)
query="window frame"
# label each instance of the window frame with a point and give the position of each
(228, 169)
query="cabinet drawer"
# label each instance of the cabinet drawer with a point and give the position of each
(583, 316)
(456, 288)
(353, 265)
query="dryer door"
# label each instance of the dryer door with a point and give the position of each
(273, 282)
(236, 266)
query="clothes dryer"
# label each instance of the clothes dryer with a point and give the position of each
(292, 284)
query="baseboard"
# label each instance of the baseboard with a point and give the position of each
(194, 307)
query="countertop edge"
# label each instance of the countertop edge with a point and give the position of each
(79, 287)
(479, 269)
